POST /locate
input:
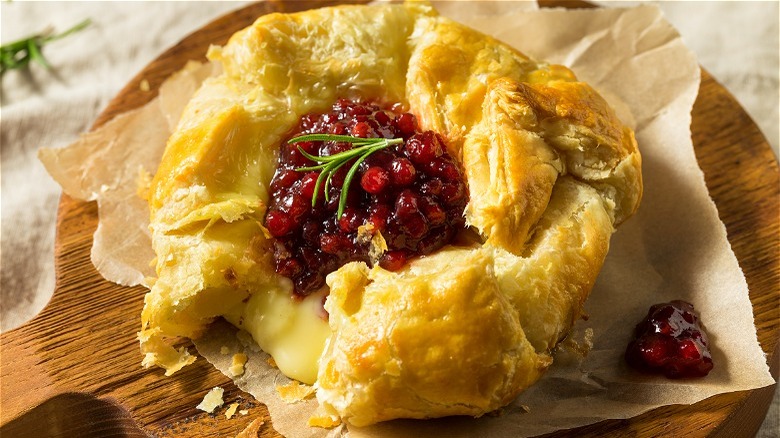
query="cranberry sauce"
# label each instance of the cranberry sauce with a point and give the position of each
(413, 193)
(670, 340)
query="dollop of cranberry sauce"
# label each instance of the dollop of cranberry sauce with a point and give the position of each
(413, 193)
(670, 341)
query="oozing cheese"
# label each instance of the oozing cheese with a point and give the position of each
(292, 332)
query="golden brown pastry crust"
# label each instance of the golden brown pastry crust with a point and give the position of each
(438, 338)
(550, 168)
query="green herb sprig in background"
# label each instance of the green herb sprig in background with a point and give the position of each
(18, 54)
(328, 165)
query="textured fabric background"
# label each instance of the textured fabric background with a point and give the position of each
(736, 41)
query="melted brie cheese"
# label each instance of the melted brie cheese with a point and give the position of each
(293, 332)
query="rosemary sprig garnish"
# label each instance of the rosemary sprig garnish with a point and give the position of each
(19, 53)
(328, 165)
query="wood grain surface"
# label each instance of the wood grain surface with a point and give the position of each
(74, 370)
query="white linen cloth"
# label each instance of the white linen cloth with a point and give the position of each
(735, 41)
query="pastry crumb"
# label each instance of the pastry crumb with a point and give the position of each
(271, 362)
(365, 233)
(252, 430)
(580, 347)
(231, 410)
(324, 420)
(161, 354)
(243, 411)
(378, 247)
(294, 391)
(144, 85)
(588, 339)
(212, 400)
(237, 368)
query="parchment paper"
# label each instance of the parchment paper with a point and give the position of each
(674, 248)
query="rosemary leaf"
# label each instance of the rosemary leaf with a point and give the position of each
(330, 164)
(351, 174)
(35, 54)
(333, 137)
(18, 54)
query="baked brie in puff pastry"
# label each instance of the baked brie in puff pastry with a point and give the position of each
(550, 172)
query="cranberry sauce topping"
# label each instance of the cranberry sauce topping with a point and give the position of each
(412, 192)
(670, 340)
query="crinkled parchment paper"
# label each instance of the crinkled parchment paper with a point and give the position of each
(675, 247)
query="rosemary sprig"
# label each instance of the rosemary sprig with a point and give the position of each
(328, 165)
(18, 54)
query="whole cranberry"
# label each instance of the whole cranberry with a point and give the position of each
(278, 223)
(375, 179)
(284, 179)
(406, 123)
(422, 148)
(350, 220)
(402, 172)
(393, 260)
(407, 204)
(378, 215)
(308, 183)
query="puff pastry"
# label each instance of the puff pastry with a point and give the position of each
(551, 172)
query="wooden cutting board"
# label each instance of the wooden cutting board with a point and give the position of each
(75, 369)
